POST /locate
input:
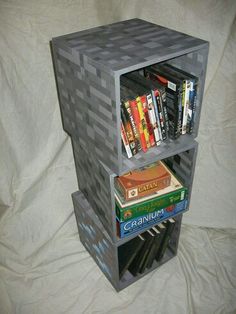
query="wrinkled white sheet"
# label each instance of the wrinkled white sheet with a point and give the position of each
(43, 266)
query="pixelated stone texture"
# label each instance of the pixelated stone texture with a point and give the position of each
(88, 65)
(95, 238)
(118, 46)
(96, 183)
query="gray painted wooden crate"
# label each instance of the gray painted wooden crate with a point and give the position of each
(96, 240)
(96, 181)
(88, 66)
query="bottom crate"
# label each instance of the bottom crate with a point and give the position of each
(125, 263)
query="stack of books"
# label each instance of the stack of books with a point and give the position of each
(146, 196)
(155, 106)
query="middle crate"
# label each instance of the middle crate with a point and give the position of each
(96, 183)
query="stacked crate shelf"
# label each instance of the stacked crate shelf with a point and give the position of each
(88, 66)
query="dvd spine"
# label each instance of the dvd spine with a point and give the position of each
(149, 125)
(135, 112)
(143, 121)
(153, 120)
(125, 141)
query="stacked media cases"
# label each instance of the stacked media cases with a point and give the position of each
(141, 252)
(155, 106)
(147, 196)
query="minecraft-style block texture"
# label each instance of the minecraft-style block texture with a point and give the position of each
(88, 65)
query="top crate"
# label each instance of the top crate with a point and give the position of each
(88, 66)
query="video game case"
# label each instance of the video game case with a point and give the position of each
(170, 225)
(192, 95)
(185, 105)
(185, 94)
(127, 252)
(173, 97)
(155, 97)
(161, 116)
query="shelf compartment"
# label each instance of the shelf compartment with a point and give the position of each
(106, 253)
(88, 66)
(96, 182)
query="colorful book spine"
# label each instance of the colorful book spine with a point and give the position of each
(153, 119)
(161, 116)
(125, 141)
(128, 130)
(165, 114)
(138, 122)
(132, 122)
(149, 125)
(173, 100)
(143, 121)
(149, 206)
(185, 105)
(155, 95)
(192, 104)
(134, 225)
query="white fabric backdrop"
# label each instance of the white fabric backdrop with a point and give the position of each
(39, 246)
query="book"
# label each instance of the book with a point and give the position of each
(143, 181)
(172, 194)
(127, 252)
(136, 264)
(136, 224)
(170, 224)
(173, 86)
